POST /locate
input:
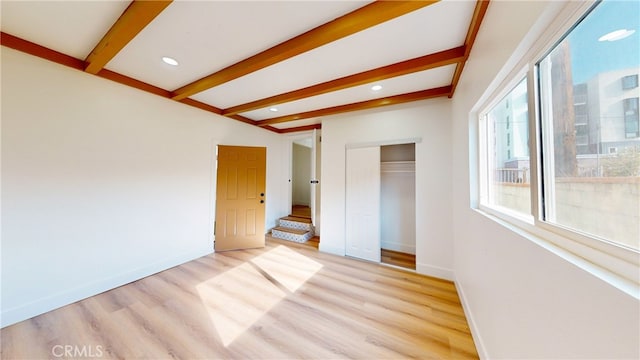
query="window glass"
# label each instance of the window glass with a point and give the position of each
(590, 125)
(630, 82)
(631, 117)
(508, 175)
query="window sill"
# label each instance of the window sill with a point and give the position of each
(619, 273)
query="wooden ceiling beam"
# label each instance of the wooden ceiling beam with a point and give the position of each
(30, 48)
(42, 52)
(212, 109)
(271, 128)
(360, 19)
(243, 119)
(134, 83)
(300, 128)
(478, 15)
(135, 18)
(391, 100)
(442, 58)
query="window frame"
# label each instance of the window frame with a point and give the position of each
(615, 263)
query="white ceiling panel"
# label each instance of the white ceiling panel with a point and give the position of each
(416, 34)
(423, 80)
(206, 36)
(70, 27)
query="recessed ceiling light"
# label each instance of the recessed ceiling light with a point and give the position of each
(616, 35)
(170, 61)
(274, 109)
(376, 87)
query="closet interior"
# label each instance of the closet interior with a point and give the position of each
(398, 205)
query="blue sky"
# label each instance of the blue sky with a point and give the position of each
(590, 56)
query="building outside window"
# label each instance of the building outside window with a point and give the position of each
(508, 182)
(631, 119)
(630, 82)
(588, 145)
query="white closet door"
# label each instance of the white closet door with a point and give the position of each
(363, 203)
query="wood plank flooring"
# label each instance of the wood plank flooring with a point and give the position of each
(286, 301)
(397, 258)
(301, 210)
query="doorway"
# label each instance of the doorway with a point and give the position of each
(398, 205)
(301, 177)
(380, 203)
(305, 175)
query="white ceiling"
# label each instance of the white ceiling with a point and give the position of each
(207, 36)
(71, 27)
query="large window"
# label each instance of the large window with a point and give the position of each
(596, 191)
(582, 181)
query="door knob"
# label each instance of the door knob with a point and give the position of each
(261, 201)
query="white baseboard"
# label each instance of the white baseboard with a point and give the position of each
(435, 271)
(395, 246)
(54, 301)
(475, 333)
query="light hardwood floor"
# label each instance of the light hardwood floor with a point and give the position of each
(397, 258)
(301, 211)
(284, 301)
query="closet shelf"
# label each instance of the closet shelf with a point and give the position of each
(398, 166)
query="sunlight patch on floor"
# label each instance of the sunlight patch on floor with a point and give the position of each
(288, 267)
(239, 297)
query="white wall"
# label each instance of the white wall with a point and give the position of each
(522, 301)
(426, 119)
(103, 184)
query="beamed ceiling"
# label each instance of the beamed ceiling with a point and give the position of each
(280, 65)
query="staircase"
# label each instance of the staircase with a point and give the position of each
(293, 228)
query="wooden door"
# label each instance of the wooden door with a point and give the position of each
(240, 197)
(363, 203)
